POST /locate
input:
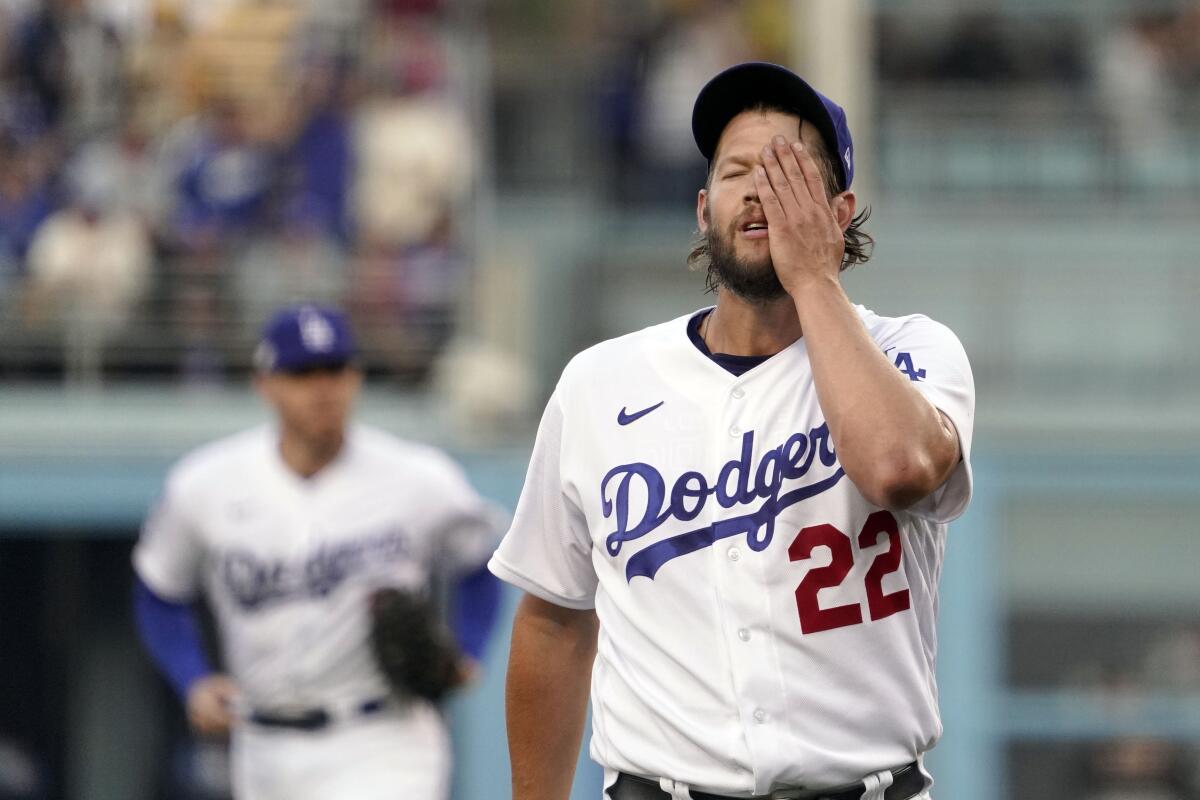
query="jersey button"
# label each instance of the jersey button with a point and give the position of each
(735, 431)
(734, 554)
(738, 393)
(760, 716)
(744, 634)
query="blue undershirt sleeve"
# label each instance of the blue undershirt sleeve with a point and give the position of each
(476, 602)
(171, 635)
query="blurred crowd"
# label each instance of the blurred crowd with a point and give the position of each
(613, 118)
(991, 47)
(172, 170)
(1126, 78)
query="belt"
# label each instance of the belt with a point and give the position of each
(310, 719)
(907, 782)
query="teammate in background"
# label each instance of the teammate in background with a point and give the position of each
(287, 529)
(734, 521)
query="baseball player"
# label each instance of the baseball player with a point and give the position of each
(733, 522)
(287, 530)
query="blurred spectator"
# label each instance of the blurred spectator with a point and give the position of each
(319, 159)
(415, 164)
(1136, 769)
(222, 176)
(1173, 661)
(24, 204)
(978, 51)
(300, 262)
(121, 169)
(38, 53)
(403, 299)
(246, 57)
(1136, 94)
(69, 60)
(94, 67)
(400, 7)
(156, 71)
(697, 44)
(88, 265)
(1189, 45)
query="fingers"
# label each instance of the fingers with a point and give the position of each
(777, 176)
(794, 177)
(810, 174)
(788, 157)
(771, 205)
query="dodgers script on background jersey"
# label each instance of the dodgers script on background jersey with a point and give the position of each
(793, 636)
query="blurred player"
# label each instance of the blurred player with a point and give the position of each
(287, 530)
(734, 521)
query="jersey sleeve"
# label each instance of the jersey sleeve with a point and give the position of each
(470, 524)
(169, 552)
(932, 357)
(548, 550)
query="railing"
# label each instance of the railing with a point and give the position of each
(79, 349)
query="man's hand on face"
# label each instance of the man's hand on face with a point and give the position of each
(803, 232)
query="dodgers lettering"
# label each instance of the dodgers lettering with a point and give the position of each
(738, 483)
(255, 584)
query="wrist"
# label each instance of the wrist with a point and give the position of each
(806, 288)
(195, 681)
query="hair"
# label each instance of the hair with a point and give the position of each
(859, 243)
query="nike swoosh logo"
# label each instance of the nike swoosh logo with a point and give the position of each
(624, 417)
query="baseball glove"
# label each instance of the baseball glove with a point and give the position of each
(413, 648)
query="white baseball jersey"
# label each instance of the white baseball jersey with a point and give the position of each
(762, 624)
(287, 563)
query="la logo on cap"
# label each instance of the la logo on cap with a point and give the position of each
(315, 331)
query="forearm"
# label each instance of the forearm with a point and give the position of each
(549, 673)
(171, 635)
(894, 445)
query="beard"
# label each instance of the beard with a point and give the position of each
(750, 279)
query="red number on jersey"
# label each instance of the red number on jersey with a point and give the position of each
(883, 605)
(813, 618)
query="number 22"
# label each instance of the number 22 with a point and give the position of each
(813, 618)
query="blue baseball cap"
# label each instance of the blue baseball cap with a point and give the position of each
(305, 337)
(746, 85)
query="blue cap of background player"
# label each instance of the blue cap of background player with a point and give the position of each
(305, 337)
(747, 85)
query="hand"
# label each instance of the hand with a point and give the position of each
(469, 671)
(805, 238)
(210, 704)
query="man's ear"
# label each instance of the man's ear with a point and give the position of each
(701, 211)
(844, 206)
